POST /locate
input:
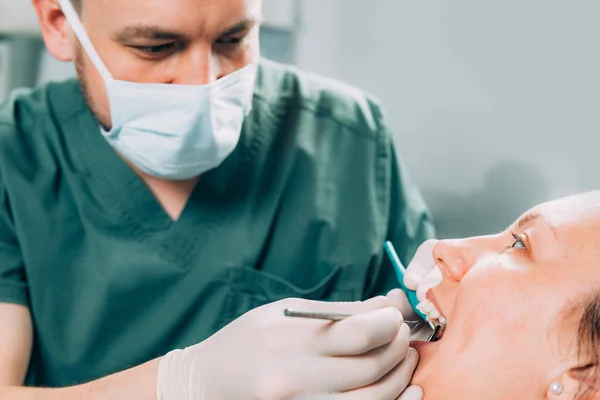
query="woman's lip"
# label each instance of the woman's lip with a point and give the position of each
(420, 344)
(430, 295)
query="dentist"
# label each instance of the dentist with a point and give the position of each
(159, 213)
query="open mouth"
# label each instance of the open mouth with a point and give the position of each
(430, 308)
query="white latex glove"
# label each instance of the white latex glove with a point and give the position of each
(422, 272)
(264, 355)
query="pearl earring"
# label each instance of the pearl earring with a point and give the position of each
(556, 388)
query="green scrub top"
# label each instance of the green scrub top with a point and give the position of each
(301, 208)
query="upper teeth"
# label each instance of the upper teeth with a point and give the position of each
(432, 313)
(432, 279)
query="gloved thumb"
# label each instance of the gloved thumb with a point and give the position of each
(399, 300)
(421, 264)
(412, 393)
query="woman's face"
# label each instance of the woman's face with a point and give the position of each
(508, 298)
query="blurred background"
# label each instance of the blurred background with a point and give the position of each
(492, 104)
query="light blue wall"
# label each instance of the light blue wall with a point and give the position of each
(24, 63)
(494, 104)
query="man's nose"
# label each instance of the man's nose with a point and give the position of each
(198, 66)
(454, 258)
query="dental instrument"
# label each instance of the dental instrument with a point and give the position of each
(412, 298)
(315, 315)
(331, 316)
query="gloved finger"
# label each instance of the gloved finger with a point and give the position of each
(391, 386)
(418, 328)
(412, 393)
(398, 299)
(375, 303)
(420, 265)
(366, 370)
(432, 279)
(361, 333)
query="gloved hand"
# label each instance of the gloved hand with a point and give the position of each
(264, 355)
(421, 271)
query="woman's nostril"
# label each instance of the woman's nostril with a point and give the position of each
(449, 255)
(449, 270)
(442, 265)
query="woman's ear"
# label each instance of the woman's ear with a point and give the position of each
(576, 382)
(589, 380)
(55, 29)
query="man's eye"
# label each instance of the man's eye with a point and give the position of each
(230, 41)
(156, 50)
(518, 243)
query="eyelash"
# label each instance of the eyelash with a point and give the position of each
(230, 41)
(157, 50)
(517, 240)
(154, 50)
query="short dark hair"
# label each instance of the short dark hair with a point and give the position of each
(588, 339)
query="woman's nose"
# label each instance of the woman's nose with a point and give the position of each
(454, 258)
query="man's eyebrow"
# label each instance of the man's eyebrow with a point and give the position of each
(146, 32)
(157, 33)
(527, 219)
(242, 25)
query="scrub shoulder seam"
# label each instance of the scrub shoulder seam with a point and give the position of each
(347, 123)
(371, 131)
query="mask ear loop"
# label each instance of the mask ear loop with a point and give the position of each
(82, 36)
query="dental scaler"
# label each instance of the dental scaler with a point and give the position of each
(437, 329)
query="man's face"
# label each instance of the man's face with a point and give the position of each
(186, 42)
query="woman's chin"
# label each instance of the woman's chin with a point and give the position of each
(424, 369)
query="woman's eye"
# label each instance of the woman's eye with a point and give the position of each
(518, 243)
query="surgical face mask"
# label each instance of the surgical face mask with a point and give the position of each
(172, 131)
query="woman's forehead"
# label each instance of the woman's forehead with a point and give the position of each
(580, 211)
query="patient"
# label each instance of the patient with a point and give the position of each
(522, 309)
